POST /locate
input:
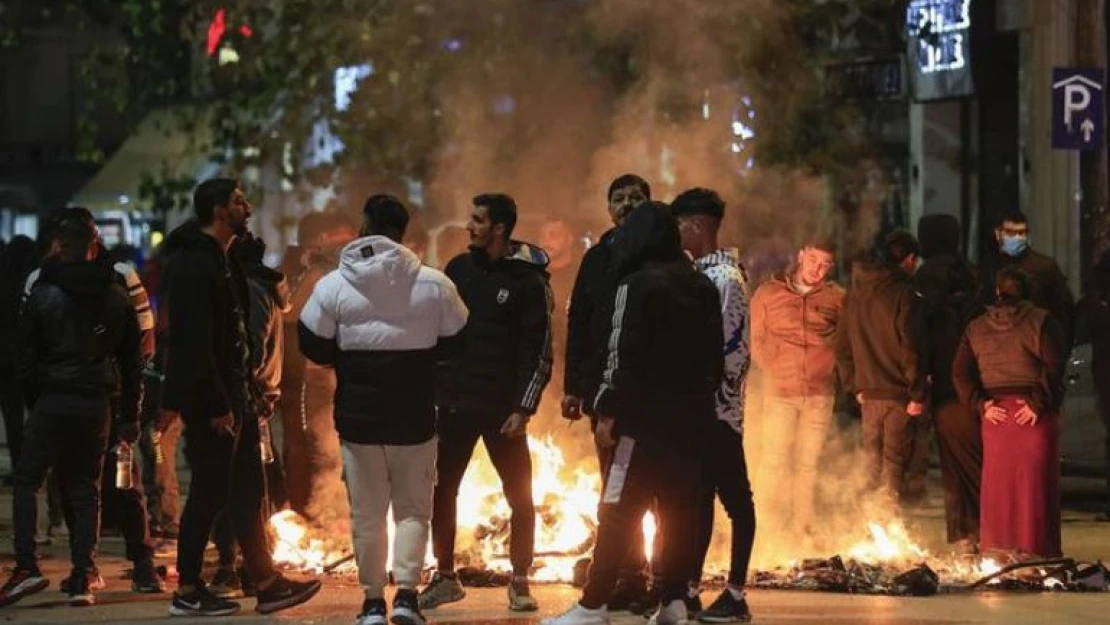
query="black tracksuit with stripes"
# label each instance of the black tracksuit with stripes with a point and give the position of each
(498, 365)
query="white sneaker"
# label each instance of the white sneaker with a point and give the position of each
(674, 613)
(578, 615)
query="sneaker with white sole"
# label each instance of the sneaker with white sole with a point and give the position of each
(444, 588)
(670, 613)
(200, 602)
(406, 609)
(22, 583)
(284, 593)
(373, 613)
(80, 591)
(726, 609)
(579, 615)
(520, 597)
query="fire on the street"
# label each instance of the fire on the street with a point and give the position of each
(566, 521)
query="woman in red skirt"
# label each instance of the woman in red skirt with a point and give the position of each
(1010, 370)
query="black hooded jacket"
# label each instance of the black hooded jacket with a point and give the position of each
(501, 361)
(665, 362)
(205, 294)
(949, 288)
(879, 339)
(589, 320)
(79, 337)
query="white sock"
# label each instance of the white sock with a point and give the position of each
(693, 591)
(736, 591)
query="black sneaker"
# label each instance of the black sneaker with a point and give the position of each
(626, 593)
(373, 613)
(406, 609)
(22, 583)
(80, 590)
(726, 609)
(95, 579)
(283, 594)
(200, 602)
(147, 580)
(225, 584)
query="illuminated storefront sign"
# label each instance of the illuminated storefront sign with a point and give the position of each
(939, 36)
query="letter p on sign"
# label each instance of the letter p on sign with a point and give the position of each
(1078, 117)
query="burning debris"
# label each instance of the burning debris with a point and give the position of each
(889, 563)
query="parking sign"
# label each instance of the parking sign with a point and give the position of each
(1077, 108)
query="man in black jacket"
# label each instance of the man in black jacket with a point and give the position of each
(590, 319)
(78, 347)
(949, 290)
(207, 371)
(492, 387)
(656, 407)
(879, 358)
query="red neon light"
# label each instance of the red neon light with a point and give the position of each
(216, 31)
(246, 31)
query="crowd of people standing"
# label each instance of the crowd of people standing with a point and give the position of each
(385, 372)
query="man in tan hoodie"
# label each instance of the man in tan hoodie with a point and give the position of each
(794, 319)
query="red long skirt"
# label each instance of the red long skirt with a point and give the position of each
(1020, 493)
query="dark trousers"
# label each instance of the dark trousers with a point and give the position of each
(725, 475)
(130, 508)
(634, 571)
(223, 534)
(226, 474)
(1102, 387)
(917, 473)
(11, 405)
(164, 501)
(960, 443)
(71, 436)
(640, 474)
(458, 434)
(888, 435)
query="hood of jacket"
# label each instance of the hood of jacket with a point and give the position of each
(78, 278)
(187, 236)
(876, 276)
(275, 283)
(531, 256)
(1008, 316)
(379, 265)
(648, 235)
(938, 235)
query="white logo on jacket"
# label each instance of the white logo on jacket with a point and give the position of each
(502, 296)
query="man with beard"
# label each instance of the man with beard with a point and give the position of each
(378, 319)
(879, 343)
(656, 409)
(207, 372)
(725, 470)
(78, 347)
(949, 289)
(589, 320)
(310, 450)
(269, 298)
(492, 387)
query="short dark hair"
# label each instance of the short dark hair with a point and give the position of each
(824, 244)
(1013, 216)
(74, 231)
(898, 245)
(629, 180)
(385, 215)
(210, 194)
(699, 201)
(501, 210)
(1013, 285)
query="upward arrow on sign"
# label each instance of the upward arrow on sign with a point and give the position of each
(1087, 128)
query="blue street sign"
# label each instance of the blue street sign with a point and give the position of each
(1077, 108)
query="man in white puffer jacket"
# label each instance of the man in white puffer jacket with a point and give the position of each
(378, 319)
